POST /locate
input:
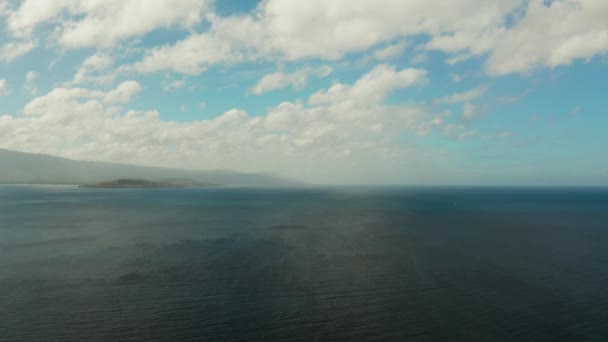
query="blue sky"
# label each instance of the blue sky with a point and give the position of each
(386, 92)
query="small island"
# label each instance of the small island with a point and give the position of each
(146, 184)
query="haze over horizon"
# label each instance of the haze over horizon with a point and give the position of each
(376, 92)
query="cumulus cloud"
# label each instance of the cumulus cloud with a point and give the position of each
(102, 23)
(65, 103)
(462, 45)
(546, 35)
(281, 29)
(123, 92)
(31, 76)
(292, 137)
(30, 82)
(3, 87)
(192, 55)
(515, 35)
(387, 52)
(4, 7)
(23, 20)
(296, 80)
(340, 27)
(344, 26)
(552, 35)
(229, 40)
(97, 69)
(470, 110)
(464, 96)
(11, 51)
(372, 87)
(346, 122)
(172, 85)
(391, 51)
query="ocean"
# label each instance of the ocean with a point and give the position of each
(312, 264)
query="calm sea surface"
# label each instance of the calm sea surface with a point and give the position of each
(355, 264)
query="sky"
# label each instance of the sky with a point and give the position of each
(444, 92)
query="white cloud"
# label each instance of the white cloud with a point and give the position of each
(96, 69)
(11, 51)
(292, 138)
(229, 40)
(343, 26)
(60, 102)
(462, 45)
(281, 29)
(464, 96)
(515, 35)
(420, 58)
(30, 82)
(22, 21)
(550, 36)
(279, 80)
(323, 71)
(31, 76)
(296, 80)
(98, 61)
(4, 8)
(545, 35)
(3, 87)
(391, 51)
(57, 116)
(388, 52)
(192, 55)
(103, 23)
(372, 87)
(172, 85)
(118, 20)
(123, 93)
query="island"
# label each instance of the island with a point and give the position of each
(147, 184)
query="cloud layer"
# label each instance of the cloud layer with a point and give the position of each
(102, 23)
(372, 86)
(293, 137)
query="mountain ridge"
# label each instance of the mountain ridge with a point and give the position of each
(33, 168)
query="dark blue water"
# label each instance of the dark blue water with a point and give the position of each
(356, 264)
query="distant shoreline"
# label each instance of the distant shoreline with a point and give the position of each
(37, 169)
(146, 184)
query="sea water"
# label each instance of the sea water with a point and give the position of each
(325, 264)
